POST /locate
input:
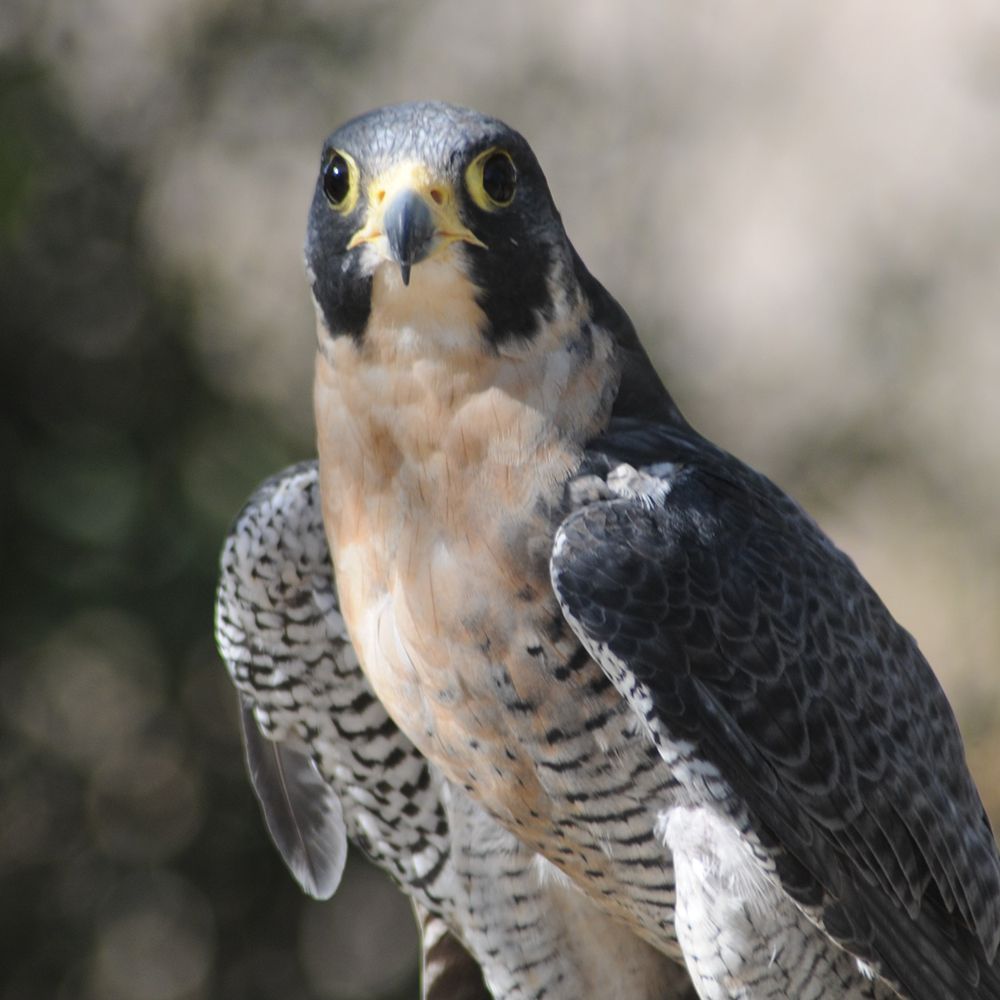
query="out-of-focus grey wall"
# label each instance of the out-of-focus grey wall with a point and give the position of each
(798, 203)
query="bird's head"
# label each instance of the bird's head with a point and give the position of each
(431, 207)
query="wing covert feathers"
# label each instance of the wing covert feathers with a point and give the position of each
(730, 621)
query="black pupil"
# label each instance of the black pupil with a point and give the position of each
(336, 179)
(499, 178)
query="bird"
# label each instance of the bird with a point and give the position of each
(616, 649)
(329, 766)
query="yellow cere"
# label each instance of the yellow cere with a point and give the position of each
(415, 176)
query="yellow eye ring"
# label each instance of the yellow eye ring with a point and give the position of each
(340, 181)
(491, 179)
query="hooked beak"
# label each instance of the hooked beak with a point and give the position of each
(412, 216)
(409, 229)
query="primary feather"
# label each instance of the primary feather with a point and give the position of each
(302, 812)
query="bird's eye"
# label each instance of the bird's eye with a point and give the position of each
(499, 178)
(492, 179)
(339, 181)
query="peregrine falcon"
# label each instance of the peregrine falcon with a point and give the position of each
(328, 765)
(600, 697)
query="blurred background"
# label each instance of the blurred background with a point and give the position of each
(799, 204)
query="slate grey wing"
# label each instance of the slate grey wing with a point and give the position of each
(328, 763)
(782, 692)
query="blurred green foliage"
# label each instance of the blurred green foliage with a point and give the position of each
(133, 862)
